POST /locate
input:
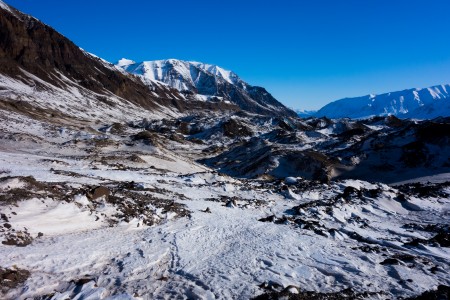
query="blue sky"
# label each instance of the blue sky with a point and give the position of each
(306, 53)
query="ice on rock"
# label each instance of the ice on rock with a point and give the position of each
(290, 180)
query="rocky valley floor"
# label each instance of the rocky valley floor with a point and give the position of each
(127, 211)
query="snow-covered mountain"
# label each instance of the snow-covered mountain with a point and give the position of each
(207, 82)
(119, 186)
(42, 67)
(303, 113)
(425, 103)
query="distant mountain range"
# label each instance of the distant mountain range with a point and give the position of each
(425, 103)
(39, 65)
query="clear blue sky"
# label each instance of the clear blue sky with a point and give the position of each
(305, 52)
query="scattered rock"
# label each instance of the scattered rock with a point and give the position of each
(4, 217)
(293, 293)
(442, 239)
(98, 192)
(390, 261)
(149, 138)
(12, 278)
(231, 203)
(136, 158)
(207, 210)
(442, 293)
(17, 238)
(271, 218)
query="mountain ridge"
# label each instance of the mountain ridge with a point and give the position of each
(208, 82)
(45, 69)
(422, 103)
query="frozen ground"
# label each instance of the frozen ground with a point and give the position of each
(172, 228)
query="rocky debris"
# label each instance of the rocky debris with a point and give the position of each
(137, 159)
(441, 239)
(17, 238)
(31, 188)
(393, 121)
(4, 217)
(351, 192)
(315, 226)
(414, 154)
(233, 128)
(274, 219)
(434, 131)
(11, 278)
(144, 206)
(311, 215)
(82, 281)
(370, 249)
(401, 259)
(257, 157)
(441, 293)
(271, 219)
(231, 203)
(427, 227)
(246, 146)
(114, 128)
(422, 190)
(294, 293)
(207, 210)
(131, 201)
(99, 192)
(149, 138)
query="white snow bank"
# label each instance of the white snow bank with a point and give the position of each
(53, 217)
(12, 183)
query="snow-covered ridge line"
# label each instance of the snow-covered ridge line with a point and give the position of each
(206, 81)
(154, 69)
(5, 6)
(420, 103)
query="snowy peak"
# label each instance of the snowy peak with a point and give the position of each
(420, 103)
(303, 113)
(177, 73)
(207, 82)
(217, 71)
(4, 6)
(124, 62)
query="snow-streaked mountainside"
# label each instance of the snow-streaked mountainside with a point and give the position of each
(118, 186)
(424, 103)
(182, 75)
(4, 5)
(38, 63)
(207, 82)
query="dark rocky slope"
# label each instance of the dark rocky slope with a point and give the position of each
(26, 44)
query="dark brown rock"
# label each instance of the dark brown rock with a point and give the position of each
(12, 278)
(98, 192)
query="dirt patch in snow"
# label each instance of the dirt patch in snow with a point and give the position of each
(12, 278)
